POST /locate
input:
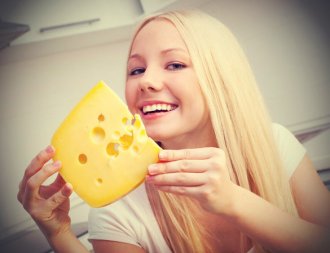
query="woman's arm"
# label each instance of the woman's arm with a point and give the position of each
(49, 205)
(103, 246)
(203, 175)
(66, 242)
(311, 196)
(279, 231)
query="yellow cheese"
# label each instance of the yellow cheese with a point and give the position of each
(104, 150)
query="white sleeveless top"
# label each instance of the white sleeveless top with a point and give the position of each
(131, 219)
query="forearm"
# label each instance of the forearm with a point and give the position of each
(276, 230)
(66, 243)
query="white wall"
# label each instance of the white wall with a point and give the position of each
(287, 50)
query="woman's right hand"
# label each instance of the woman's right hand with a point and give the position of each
(48, 205)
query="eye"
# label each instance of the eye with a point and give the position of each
(136, 71)
(175, 66)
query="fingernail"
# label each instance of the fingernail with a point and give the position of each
(69, 186)
(152, 169)
(162, 155)
(149, 178)
(67, 190)
(57, 164)
(50, 149)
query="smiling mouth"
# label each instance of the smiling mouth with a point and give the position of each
(157, 108)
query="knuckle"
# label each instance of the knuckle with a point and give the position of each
(217, 152)
(57, 199)
(27, 172)
(181, 190)
(30, 184)
(19, 197)
(171, 155)
(182, 178)
(207, 193)
(40, 157)
(213, 178)
(26, 206)
(162, 167)
(47, 169)
(184, 165)
(33, 213)
(215, 162)
(20, 185)
(186, 154)
(221, 153)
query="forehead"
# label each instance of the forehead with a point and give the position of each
(158, 32)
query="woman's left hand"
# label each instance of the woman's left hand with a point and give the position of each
(201, 173)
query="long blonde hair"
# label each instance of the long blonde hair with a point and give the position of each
(241, 124)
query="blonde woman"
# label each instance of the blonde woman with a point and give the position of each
(228, 179)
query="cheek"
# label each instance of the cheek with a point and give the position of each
(195, 100)
(130, 96)
(190, 94)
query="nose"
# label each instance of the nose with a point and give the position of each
(151, 80)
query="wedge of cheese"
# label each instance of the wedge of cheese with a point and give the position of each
(104, 150)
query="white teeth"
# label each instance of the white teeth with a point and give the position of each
(159, 107)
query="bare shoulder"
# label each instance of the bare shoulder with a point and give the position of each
(104, 246)
(311, 195)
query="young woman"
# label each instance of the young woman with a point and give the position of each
(228, 179)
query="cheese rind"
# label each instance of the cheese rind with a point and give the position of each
(104, 150)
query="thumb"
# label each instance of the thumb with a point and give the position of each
(59, 197)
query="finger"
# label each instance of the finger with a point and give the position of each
(59, 197)
(188, 154)
(33, 183)
(37, 163)
(59, 180)
(178, 179)
(196, 166)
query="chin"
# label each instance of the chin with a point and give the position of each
(157, 134)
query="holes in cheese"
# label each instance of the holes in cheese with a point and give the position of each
(126, 121)
(143, 133)
(126, 141)
(135, 149)
(99, 181)
(113, 149)
(136, 123)
(101, 117)
(98, 134)
(82, 158)
(104, 149)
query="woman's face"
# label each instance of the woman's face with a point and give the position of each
(162, 87)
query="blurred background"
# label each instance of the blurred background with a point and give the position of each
(53, 52)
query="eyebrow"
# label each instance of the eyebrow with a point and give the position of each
(163, 52)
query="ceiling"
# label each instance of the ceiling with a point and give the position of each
(10, 31)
